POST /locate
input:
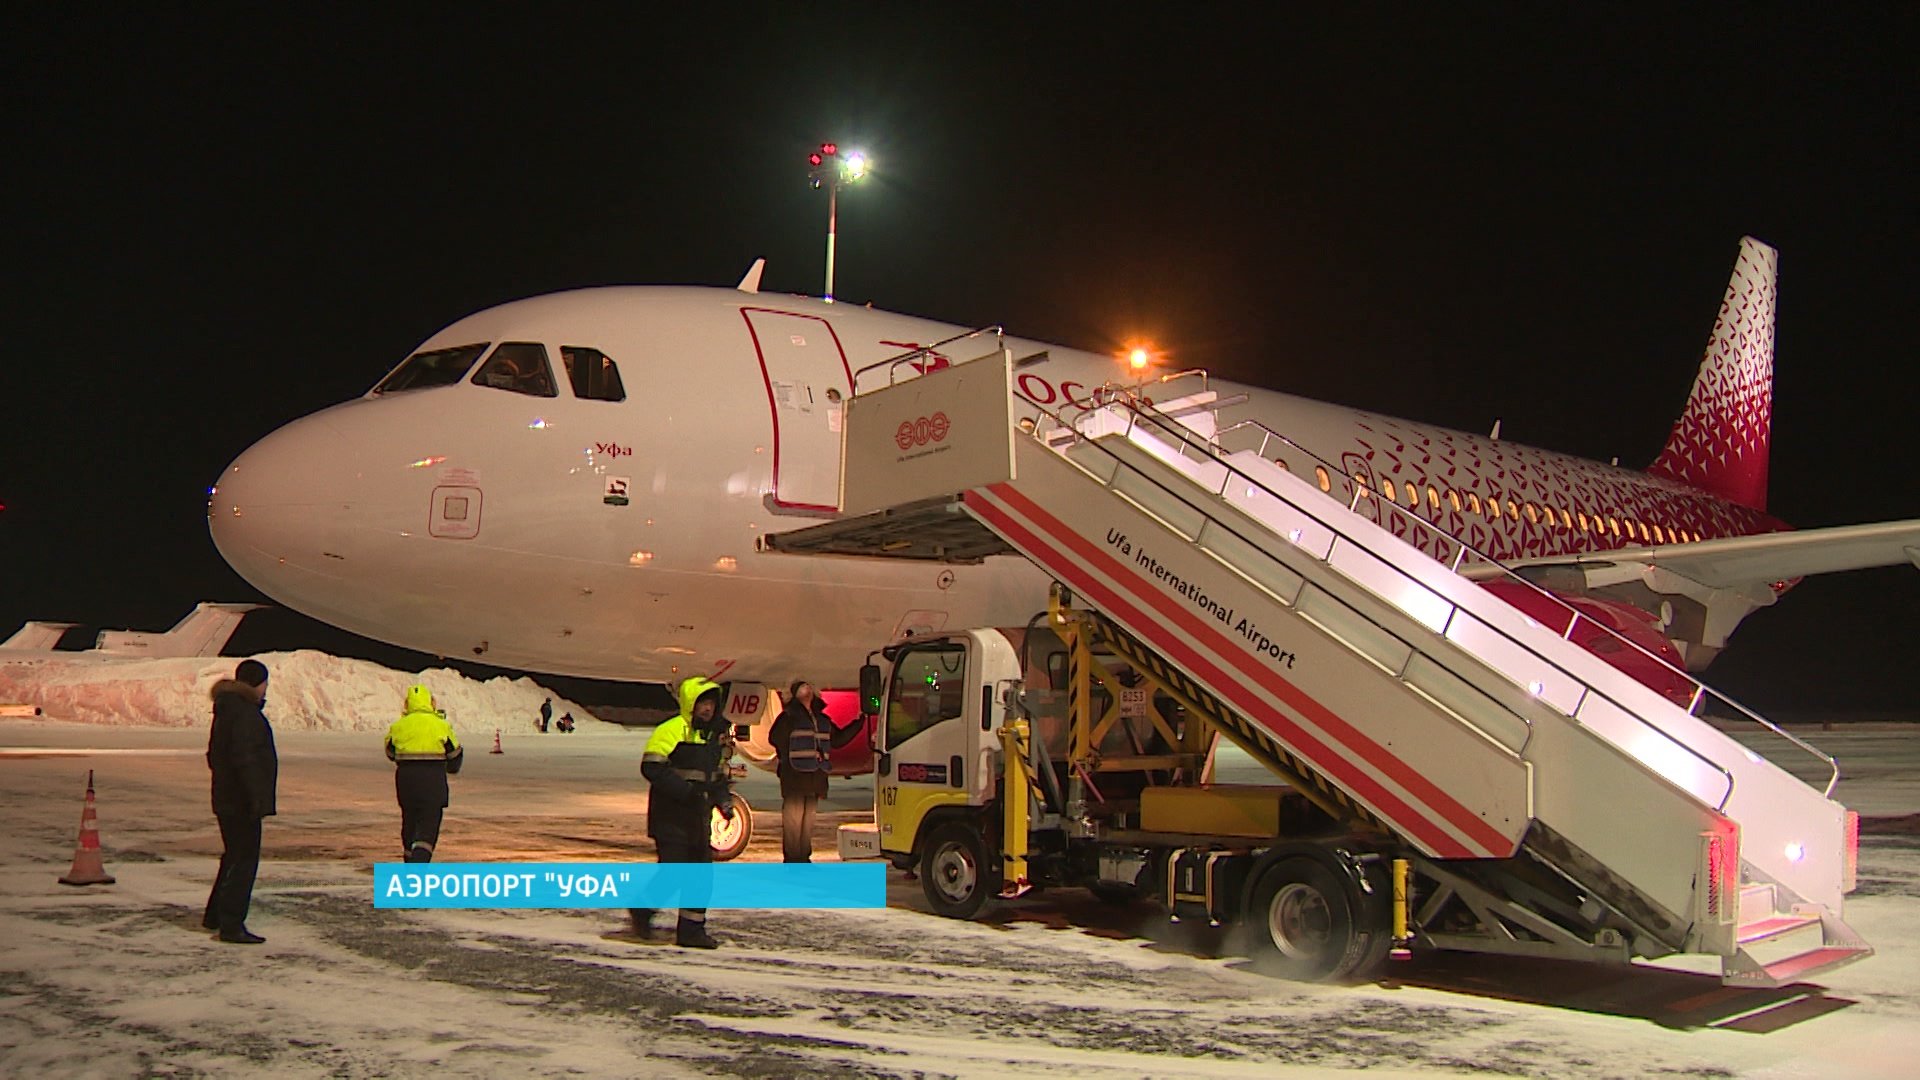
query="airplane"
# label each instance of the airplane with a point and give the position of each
(204, 631)
(575, 484)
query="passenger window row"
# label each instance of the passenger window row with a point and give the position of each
(1493, 507)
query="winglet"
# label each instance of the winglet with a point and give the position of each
(1720, 443)
(751, 283)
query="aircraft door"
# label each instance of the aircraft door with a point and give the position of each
(927, 748)
(807, 381)
(1356, 466)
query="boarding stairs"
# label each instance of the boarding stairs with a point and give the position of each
(1437, 711)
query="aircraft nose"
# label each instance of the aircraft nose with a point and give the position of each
(284, 504)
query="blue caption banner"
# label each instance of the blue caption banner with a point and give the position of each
(640, 885)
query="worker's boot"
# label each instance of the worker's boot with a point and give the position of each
(641, 922)
(693, 935)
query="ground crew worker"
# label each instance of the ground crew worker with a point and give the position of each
(686, 772)
(803, 739)
(246, 775)
(424, 750)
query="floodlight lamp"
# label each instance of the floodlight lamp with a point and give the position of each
(856, 166)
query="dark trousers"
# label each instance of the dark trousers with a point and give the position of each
(796, 827)
(420, 830)
(232, 891)
(675, 849)
(421, 789)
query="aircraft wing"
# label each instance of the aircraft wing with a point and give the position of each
(1764, 559)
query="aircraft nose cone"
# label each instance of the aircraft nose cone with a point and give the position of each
(283, 502)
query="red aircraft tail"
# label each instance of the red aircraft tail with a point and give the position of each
(1720, 443)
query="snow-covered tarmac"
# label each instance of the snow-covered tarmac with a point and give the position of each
(121, 981)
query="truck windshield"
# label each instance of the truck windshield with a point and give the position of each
(436, 367)
(929, 688)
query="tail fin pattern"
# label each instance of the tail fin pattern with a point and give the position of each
(1720, 443)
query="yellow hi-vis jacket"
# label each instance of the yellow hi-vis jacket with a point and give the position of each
(685, 774)
(423, 734)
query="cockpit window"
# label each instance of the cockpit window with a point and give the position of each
(519, 366)
(593, 374)
(438, 367)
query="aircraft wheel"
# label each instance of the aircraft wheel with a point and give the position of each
(729, 838)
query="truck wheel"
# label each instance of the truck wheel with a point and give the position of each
(1302, 923)
(729, 838)
(957, 872)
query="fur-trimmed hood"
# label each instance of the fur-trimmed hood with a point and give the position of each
(254, 694)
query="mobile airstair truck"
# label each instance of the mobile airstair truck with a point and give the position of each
(1449, 772)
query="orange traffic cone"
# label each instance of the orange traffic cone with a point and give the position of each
(496, 743)
(87, 868)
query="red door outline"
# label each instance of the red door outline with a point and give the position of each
(773, 411)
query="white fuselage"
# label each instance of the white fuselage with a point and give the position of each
(617, 539)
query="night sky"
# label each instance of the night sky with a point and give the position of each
(217, 226)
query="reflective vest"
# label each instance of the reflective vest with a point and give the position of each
(810, 744)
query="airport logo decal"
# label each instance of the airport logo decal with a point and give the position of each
(616, 490)
(921, 431)
(919, 773)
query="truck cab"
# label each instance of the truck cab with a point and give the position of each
(936, 782)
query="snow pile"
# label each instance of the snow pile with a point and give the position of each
(306, 690)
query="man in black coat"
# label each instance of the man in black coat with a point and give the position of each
(245, 774)
(804, 739)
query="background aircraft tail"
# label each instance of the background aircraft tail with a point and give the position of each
(37, 636)
(204, 632)
(1720, 443)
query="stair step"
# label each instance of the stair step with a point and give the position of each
(1797, 967)
(1774, 926)
(1757, 901)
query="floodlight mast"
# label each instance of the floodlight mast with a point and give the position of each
(830, 171)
